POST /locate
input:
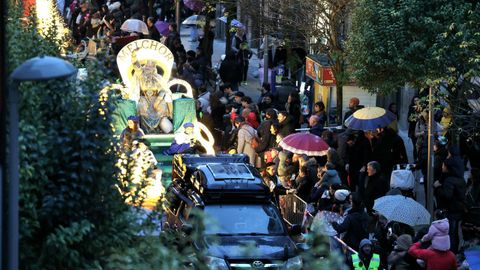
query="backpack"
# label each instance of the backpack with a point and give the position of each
(255, 141)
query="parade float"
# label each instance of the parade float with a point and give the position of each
(150, 94)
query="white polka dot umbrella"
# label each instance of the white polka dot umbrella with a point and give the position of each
(304, 143)
(402, 209)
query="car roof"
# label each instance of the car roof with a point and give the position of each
(220, 176)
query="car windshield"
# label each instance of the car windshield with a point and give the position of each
(243, 219)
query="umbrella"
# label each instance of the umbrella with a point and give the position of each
(370, 118)
(195, 5)
(233, 23)
(194, 20)
(402, 209)
(472, 255)
(162, 27)
(322, 222)
(134, 25)
(304, 143)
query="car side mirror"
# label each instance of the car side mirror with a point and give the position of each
(296, 229)
(187, 229)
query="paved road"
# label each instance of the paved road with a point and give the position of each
(253, 84)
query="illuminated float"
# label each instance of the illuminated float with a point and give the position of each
(145, 67)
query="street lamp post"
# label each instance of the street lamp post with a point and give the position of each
(36, 69)
(430, 160)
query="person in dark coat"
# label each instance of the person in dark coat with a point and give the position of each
(451, 197)
(319, 110)
(358, 155)
(376, 185)
(389, 150)
(270, 179)
(293, 108)
(355, 223)
(412, 116)
(152, 30)
(457, 163)
(264, 133)
(230, 71)
(315, 126)
(287, 124)
(266, 138)
(353, 106)
(303, 184)
(206, 42)
(172, 36)
(266, 103)
(440, 154)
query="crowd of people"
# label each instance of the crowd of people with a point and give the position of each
(101, 21)
(355, 171)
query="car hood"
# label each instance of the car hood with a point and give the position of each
(258, 247)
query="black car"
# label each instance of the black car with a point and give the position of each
(243, 228)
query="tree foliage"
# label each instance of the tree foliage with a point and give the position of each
(421, 43)
(318, 26)
(72, 215)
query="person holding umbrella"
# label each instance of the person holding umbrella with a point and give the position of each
(389, 149)
(152, 30)
(355, 223)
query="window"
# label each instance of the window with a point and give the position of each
(243, 220)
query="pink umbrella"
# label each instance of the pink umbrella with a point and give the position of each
(195, 5)
(162, 27)
(304, 143)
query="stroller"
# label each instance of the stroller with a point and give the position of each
(403, 180)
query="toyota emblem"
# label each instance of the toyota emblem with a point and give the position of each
(257, 264)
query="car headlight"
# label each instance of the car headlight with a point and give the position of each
(294, 263)
(215, 263)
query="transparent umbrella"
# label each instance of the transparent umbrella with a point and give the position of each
(134, 25)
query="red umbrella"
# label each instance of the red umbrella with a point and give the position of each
(195, 5)
(304, 143)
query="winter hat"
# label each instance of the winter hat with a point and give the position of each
(341, 194)
(365, 242)
(187, 125)
(438, 234)
(134, 118)
(403, 242)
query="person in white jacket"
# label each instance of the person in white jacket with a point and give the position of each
(244, 139)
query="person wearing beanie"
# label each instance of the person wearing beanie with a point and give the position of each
(438, 235)
(330, 175)
(366, 259)
(130, 133)
(434, 259)
(184, 141)
(399, 259)
(341, 195)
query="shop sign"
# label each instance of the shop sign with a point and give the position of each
(313, 70)
(327, 76)
(320, 74)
